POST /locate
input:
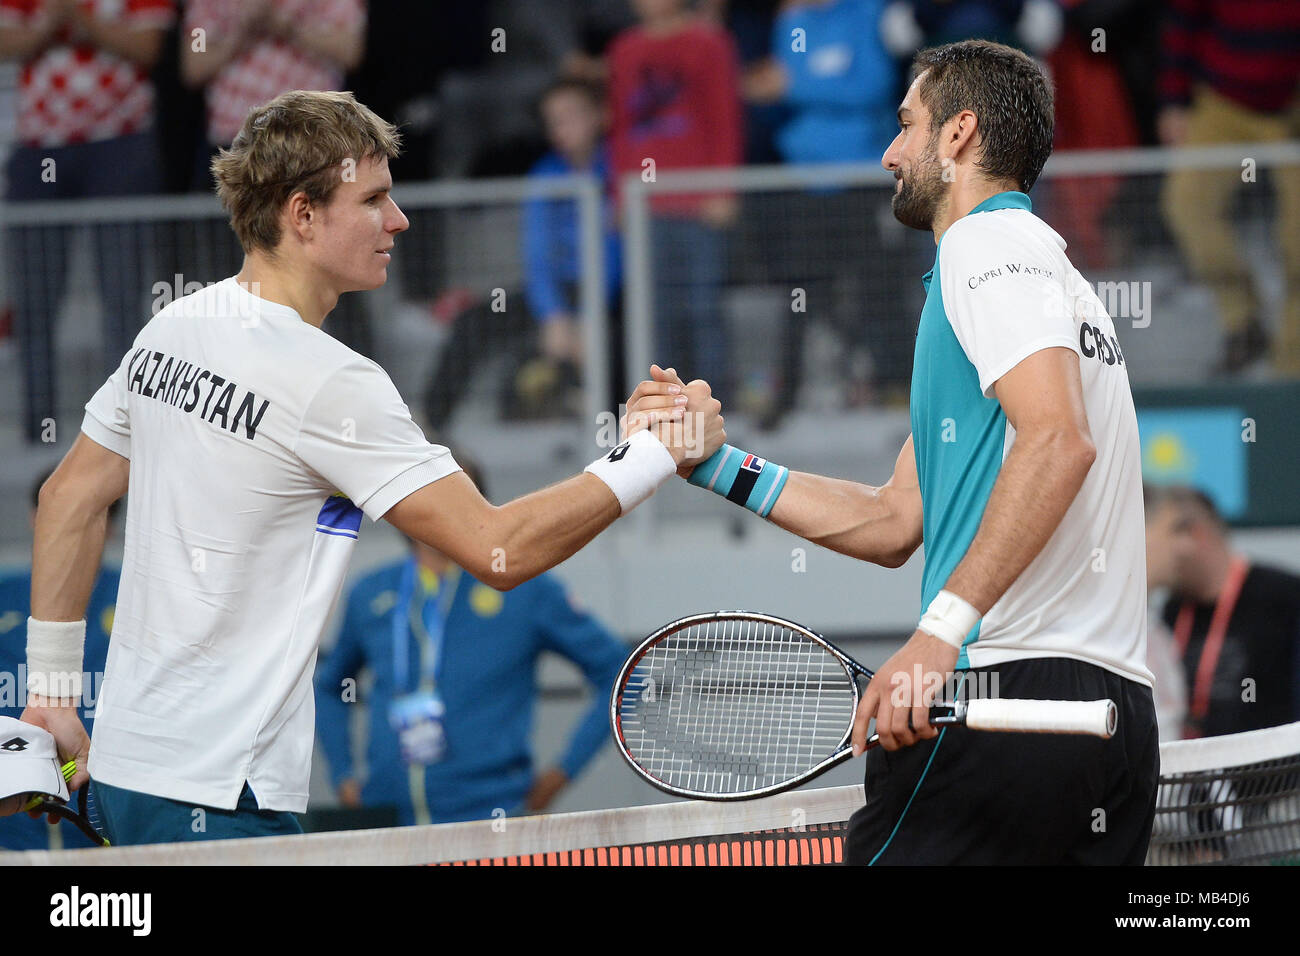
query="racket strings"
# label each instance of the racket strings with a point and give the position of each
(735, 705)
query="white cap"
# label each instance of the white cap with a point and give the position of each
(29, 761)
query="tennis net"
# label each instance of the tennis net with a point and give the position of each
(1222, 800)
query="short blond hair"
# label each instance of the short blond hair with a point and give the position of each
(299, 141)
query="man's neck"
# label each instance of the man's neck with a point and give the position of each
(964, 197)
(288, 285)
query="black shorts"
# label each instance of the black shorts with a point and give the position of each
(972, 797)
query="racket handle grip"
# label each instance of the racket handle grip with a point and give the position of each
(1096, 717)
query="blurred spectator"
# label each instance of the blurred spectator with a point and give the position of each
(1033, 25)
(242, 53)
(85, 129)
(1093, 111)
(1231, 74)
(750, 24)
(1236, 626)
(411, 52)
(410, 49)
(20, 832)
(1164, 660)
(1168, 685)
(250, 51)
(183, 152)
(1129, 41)
(830, 70)
(837, 80)
(586, 33)
(675, 103)
(454, 664)
(573, 114)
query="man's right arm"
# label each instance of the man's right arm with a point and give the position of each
(71, 523)
(507, 545)
(881, 525)
(357, 434)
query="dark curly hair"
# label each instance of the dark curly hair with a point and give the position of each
(1009, 94)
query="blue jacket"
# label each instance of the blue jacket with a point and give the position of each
(552, 259)
(842, 94)
(21, 832)
(486, 678)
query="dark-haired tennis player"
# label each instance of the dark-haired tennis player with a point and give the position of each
(252, 443)
(1022, 478)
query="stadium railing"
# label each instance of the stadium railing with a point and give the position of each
(464, 249)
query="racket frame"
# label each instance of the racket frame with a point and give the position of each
(842, 750)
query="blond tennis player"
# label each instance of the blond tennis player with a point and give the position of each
(249, 444)
(1022, 478)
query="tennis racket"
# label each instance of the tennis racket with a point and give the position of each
(49, 804)
(734, 705)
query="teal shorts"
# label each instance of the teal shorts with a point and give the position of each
(130, 818)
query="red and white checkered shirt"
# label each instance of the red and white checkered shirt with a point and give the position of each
(269, 66)
(72, 92)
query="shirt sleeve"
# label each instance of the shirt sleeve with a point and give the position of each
(358, 435)
(1004, 295)
(108, 418)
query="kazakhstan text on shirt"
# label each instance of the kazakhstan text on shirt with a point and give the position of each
(171, 385)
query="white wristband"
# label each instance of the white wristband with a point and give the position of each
(949, 618)
(635, 469)
(55, 651)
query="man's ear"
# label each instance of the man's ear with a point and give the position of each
(299, 214)
(963, 134)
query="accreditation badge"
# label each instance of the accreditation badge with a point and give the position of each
(418, 721)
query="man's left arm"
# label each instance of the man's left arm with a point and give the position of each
(577, 636)
(1042, 398)
(67, 548)
(71, 524)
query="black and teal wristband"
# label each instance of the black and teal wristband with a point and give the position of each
(749, 481)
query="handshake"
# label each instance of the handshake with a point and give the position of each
(685, 417)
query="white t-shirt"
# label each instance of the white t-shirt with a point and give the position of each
(256, 442)
(1008, 291)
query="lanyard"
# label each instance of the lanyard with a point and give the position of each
(409, 617)
(1214, 637)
